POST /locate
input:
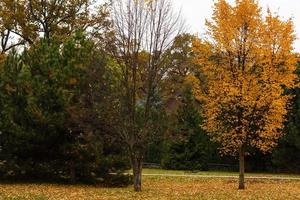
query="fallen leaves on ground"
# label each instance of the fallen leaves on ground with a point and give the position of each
(157, 188)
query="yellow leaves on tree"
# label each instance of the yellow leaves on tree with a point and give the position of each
(248, 62)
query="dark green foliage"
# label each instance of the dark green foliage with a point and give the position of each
(192, 149)
(286, 157)
(259, 162)
(50, 122)
(159, 125)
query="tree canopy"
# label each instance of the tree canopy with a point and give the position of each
(247, 62)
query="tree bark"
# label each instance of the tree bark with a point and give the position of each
(137, 174)
(242, 168)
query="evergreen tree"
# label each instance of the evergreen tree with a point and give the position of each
(50, 111)
(286, 156)
(191, 150)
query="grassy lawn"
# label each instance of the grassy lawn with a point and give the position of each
(216, 173)
(157, 188)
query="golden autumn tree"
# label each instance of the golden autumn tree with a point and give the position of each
(248, 62)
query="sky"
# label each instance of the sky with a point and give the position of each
(196, 11)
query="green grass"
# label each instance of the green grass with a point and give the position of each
(215, 173)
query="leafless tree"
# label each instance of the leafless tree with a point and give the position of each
(143, 30)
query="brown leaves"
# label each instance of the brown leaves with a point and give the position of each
(158, 188)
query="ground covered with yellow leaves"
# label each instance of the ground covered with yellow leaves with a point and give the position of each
(157, 188)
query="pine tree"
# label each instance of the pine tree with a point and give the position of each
(192, 149)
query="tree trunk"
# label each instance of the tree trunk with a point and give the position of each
(72, 172)
(137, 174)
(242, 168)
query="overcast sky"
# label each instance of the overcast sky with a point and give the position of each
(196, 11)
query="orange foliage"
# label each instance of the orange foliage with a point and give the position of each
(247, 61)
